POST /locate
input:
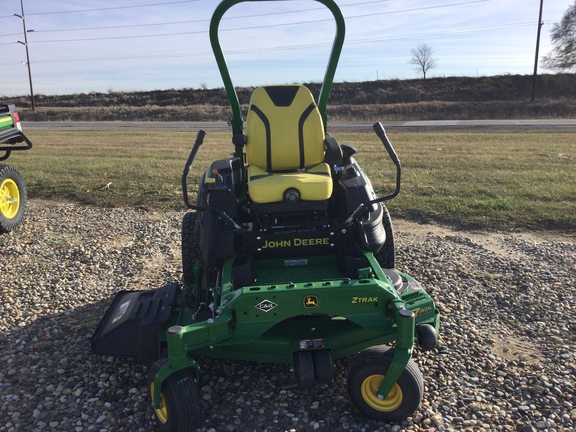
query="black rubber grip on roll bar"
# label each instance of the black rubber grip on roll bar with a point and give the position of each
(379, 129)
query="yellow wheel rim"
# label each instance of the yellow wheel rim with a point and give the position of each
(368, 390)
(162, 412)
(9, 199)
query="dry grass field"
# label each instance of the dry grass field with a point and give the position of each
(508, 181)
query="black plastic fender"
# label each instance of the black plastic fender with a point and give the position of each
(130, 326)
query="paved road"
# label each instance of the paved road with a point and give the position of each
(361, 126)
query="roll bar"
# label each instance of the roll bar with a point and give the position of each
(237, 121)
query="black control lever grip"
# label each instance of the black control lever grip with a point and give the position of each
(197, 143)
(379, 129)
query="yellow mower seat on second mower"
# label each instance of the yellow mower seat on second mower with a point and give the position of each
(285, 147)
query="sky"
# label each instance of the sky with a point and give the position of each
(85, 46)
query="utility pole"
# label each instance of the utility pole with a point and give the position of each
(537, 49)
(25, 43)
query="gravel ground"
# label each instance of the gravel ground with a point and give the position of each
(507, 359)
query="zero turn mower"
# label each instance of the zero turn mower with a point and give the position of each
(288, 256)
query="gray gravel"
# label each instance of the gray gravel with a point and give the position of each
(507, 359)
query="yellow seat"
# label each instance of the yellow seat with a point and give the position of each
(285, 146)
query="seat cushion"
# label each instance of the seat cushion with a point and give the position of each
(314, 184)
(284, 129)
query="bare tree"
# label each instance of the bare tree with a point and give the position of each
(563, 35)
(422, 57)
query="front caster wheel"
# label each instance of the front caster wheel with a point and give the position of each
(366, 373)
(180, 407)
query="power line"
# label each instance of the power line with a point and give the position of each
(445, 32)
(118, 27)
(254, 27)
(176, 2)
(175, 22)
(287, 47)
(113, 8)
(204, 20)
(119, 37)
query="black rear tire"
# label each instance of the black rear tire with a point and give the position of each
(427, 337)
(304, 368)
(191, 251)
(386, 256)
(323, 366)
(13, 198)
